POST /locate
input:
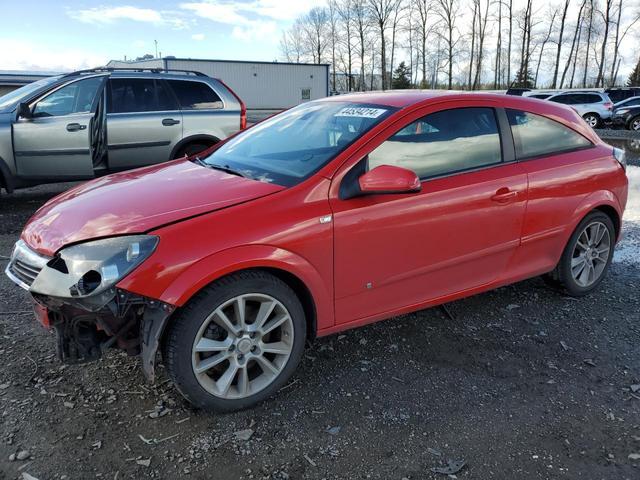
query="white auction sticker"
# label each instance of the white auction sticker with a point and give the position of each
(361, 112)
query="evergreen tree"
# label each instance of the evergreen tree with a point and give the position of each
(634, 78)
(401, 77)
(524, 80)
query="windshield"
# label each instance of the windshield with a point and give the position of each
(9, 100)
(295, 144)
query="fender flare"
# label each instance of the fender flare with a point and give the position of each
(193, 138)
(6, 179)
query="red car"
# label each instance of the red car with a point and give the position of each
(331, 215)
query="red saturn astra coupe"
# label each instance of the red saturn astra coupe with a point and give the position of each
(328, 216)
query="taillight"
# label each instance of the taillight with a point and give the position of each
(620, 157)
(608, 106)
(243, 107)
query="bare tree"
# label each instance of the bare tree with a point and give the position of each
(563, 18)
(482, 30)
(618, 40)
(424, 9)
(573, 43)
(607, 22)
(554, 14)
(344, 10)
(473, 39)
(315, 25)
(496, 76)
(396, 18)
(292, 43)
(589, 36)
(510, 9)
(448, 12)
(361, 20)
(381, 11)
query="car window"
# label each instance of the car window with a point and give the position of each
(535, 135)
(76, 97)
(195, 95)
(565, 99)
(590, 98)
(443, 142)
(130, 95)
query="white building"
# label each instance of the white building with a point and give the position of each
(261, 85)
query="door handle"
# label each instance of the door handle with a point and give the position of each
(167, 122)
(504, 195)
(74, 127)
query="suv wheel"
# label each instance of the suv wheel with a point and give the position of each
(592, 119)
(192, 149)
(634, 124)
(237, 342)
(587, 256)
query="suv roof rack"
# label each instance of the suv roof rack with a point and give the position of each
(134, 69)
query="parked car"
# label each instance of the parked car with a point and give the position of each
(331, 215)
(594, 107)
(617, 94)
(628, 117)
(629, 102)
(89, 123)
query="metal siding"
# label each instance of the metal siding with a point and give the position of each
(155, 63)
(263, 85)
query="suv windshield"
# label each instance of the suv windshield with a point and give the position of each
(295, 144)
(11, 99)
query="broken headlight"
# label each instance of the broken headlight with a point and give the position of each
(91, 268)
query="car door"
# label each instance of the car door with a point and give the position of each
(55, 140)
(144, 122)
(401, 250)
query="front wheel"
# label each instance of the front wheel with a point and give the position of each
(592, 119)
(634, 124)
(587, 256)
(237, 342)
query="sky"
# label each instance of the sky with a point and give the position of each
(67, 34)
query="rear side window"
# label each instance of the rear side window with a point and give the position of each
(131, 95)
(195, 95)
(535, 135)
(442, 143)
(591, 98)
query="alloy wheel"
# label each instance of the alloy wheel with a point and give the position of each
(591, 254)
(242, 346)
(635, 124)
(591, 120)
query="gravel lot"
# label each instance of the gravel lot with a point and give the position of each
(520, 382)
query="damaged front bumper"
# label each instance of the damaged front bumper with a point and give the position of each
(88, 324)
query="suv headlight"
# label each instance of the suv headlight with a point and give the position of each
(622, 111)
(91, 268)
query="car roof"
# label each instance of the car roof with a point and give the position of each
(405, 98)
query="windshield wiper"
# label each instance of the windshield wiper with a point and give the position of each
(222, 168)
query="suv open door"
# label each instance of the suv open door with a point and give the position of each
(52, 137)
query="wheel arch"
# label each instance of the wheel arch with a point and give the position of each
(604, 201)
(289, 267)
(201, 137)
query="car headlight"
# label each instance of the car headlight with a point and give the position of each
(92, 268)
(622, 111)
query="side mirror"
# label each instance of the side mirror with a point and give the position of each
(389, 179)
(24, 111)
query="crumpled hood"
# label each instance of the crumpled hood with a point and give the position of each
(137, 201)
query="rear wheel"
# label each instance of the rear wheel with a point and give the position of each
(592, 119)
(192, 149)
(237, 342)
(634, 124)
(587, 256)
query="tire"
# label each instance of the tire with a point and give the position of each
(572, 280)
(592, 119)
(634, 124)
(231, 375)
(191, 149)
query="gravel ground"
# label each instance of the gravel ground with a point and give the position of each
(520, 382)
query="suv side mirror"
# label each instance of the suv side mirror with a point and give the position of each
(24, 111)
(389, 179)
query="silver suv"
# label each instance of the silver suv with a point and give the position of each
(92, 122)
(594, 107)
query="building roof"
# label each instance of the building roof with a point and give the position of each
(22, 77)
(219, 60)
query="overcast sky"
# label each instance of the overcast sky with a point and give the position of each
(69, 34)
(57, 35)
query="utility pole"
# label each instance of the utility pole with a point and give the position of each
(156, 44)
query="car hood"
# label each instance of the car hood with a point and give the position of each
(137, 201)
